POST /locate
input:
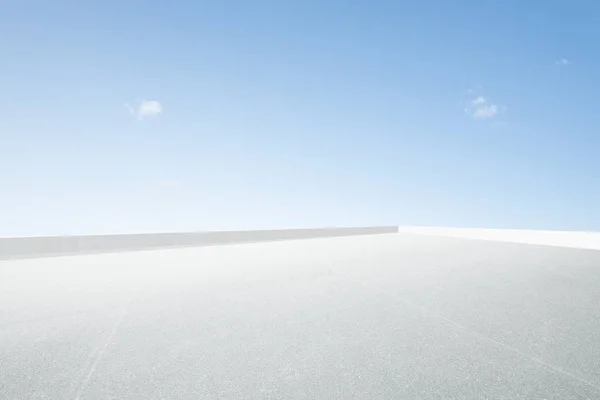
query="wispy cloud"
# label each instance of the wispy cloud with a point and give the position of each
(479, 101)
(481, 108)
(149, 108)
(129, 108)
(562, 61)
(486, 111)
(146, 108)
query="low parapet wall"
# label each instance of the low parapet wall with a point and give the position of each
(33, 247)
(573, 239)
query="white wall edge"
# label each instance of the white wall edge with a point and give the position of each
(572, 239)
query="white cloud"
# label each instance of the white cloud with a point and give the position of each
(147, 108)
(486, 111)
(562, 61)
(481, 108)
(479, 101)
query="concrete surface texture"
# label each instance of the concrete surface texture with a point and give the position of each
(391, 316)
(31, 247)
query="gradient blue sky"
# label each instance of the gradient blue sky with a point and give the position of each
(298, 113)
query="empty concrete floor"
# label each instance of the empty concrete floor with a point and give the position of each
(393, 316)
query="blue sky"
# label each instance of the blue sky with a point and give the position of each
(135, 116)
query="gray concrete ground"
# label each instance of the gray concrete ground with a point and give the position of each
(390, 316)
